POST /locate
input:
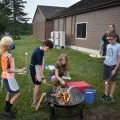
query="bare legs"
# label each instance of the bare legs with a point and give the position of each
(111, 86)
(36, 94)
(13, 99)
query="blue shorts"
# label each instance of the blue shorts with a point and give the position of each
(107, 73)
(11, 86)
(51, 76)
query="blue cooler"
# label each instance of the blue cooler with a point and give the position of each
(90, 95)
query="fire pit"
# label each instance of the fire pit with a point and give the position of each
(64, 98)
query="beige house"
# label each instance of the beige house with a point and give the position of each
(86, 21)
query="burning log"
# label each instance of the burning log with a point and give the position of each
(66, 97)
(62, 96)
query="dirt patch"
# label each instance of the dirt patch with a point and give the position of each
(101, 113)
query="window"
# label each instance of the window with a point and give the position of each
(81, 31)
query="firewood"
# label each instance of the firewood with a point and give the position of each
(40, 100)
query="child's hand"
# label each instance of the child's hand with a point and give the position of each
(23, 70)
(113, 72)
(101, 53)
(44, 81)
(62, 82)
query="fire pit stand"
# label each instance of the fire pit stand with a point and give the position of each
(77, 100)
(53, 109)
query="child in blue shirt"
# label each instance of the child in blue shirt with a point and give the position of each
(111, 64)
(36, 69)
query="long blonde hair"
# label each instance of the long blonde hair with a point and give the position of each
(5, 44)
(66, 68)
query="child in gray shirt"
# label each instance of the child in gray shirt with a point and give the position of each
(111, 64)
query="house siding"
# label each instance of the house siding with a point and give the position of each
(39, 31)
(39, 26)
(61, 23)
(48, 29)
(97, 24)
(68, 30)
(56, 25)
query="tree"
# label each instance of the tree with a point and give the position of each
(18, 14)
(4, 13)
(4, 4)
(12, 18)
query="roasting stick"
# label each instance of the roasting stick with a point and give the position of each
(108, 79)
(40, 100)
(48, 84)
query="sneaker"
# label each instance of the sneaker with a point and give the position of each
(13, 113)
(8, 114)
(104, 97)
(110, 99)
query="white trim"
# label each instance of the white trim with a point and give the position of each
(76, 31)
(85, 50)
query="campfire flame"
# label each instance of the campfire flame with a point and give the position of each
(65, 97)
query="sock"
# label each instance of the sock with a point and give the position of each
(8, 106)
(111, 96)
(106, 94)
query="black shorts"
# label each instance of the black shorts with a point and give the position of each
(107, 73)
(33, 75)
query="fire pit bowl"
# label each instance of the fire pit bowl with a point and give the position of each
(76, 98)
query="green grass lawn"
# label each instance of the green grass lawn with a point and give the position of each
(82, 67)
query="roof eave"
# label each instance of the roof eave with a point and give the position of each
(84, 11)
(49, 19)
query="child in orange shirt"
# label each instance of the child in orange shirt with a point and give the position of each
(8, 71)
